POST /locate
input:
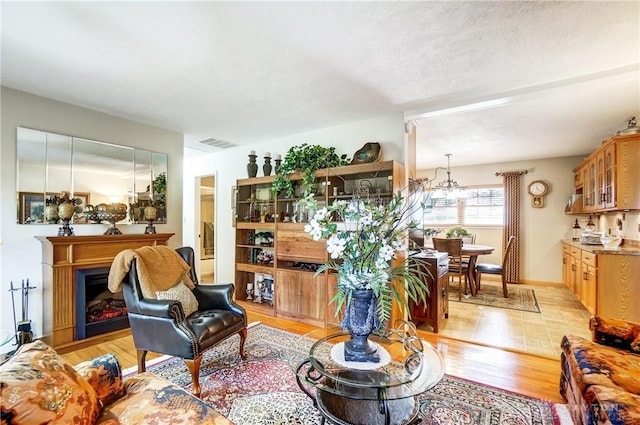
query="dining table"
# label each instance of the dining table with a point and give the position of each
(473, 251)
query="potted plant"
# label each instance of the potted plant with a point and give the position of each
(362, 243)
(305, 159)
(457, 232)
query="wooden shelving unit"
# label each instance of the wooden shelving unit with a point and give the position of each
(290, 279)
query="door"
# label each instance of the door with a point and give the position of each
(206, 228)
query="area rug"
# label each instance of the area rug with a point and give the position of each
(263, 390)
(491, 295)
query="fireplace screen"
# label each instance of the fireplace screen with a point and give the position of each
(98, 310)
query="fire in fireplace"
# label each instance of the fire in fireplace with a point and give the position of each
(98, 310)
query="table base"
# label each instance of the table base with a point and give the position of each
(341, 410)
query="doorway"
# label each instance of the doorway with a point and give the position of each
(207, 228)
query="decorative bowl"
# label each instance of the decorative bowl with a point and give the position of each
(611, 241)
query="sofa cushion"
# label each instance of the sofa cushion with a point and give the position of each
(39, 387)
(617, 406)
(152, 400)
(104, 374)
(595, 364)
(183, 294)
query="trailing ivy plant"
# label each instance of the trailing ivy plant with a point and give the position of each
(305, 159)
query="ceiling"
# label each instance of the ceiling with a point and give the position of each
(564, 75)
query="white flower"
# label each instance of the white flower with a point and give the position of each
(335, 246)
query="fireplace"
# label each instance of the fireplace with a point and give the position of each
(62, 258)
(98, 310)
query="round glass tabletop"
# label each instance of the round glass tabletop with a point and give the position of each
(414, 367)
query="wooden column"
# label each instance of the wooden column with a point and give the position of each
(61, 257)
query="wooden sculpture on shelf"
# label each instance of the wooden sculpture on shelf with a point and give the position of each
(370, 152)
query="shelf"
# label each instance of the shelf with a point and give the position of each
(260, 308)
(255, 268)
(253, 225)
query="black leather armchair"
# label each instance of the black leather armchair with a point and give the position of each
(161, 326)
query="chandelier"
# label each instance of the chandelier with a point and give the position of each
(449, 188)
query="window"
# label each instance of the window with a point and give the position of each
(483, 206)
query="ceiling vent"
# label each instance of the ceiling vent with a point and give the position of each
(218, 143)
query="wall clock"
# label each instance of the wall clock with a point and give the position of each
(538, 189)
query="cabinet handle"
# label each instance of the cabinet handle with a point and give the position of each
(573, 267)
(564, 261)
(444, 292)
(584, 275)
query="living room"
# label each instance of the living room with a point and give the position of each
(23, 105)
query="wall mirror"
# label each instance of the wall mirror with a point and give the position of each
(96, 172)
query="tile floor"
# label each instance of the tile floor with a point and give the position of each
(539, 333)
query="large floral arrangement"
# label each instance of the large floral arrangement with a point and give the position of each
(364, 237)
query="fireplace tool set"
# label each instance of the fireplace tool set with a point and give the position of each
(24, 334)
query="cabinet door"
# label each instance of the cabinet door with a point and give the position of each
(566, 267)
(609, 176)
(627, 172)
(294, 244)
(600, 192)
(287, 292)
(584, 273)
(590, 185)
(574, 277)
(312, 296)
(591, 289)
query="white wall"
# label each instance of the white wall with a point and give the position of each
(20, 252)
(542, 228)
(230, 165)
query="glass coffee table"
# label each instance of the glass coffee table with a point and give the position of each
(349, 393)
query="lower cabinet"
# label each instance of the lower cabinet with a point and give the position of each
(301, 296)
(606, 284)
(589, 275)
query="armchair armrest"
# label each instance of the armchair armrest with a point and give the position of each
(217, 297)
(171, 309)
(104, 374)
(615, 333)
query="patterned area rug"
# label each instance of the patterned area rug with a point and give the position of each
(263, 390)
(491, 295)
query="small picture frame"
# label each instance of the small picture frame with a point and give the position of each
(31, 207)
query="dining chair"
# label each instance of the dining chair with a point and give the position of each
(470, 239)
(495, 268)
(457, 266)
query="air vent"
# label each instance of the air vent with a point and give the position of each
(218, 143)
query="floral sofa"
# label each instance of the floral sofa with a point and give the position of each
(37, 386)
(600, 379)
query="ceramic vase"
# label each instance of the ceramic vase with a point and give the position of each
(361, 319)
(267, 167)
(252, 167)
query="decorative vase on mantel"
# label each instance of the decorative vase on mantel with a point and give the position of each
(361, 319)
(65, 212)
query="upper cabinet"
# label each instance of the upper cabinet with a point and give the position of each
(609, 179)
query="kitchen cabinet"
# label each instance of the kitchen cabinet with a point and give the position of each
(609, 178)
(606, 283)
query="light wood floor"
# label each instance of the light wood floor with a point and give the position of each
(524, 373)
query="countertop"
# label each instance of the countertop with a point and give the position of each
(599, 249)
